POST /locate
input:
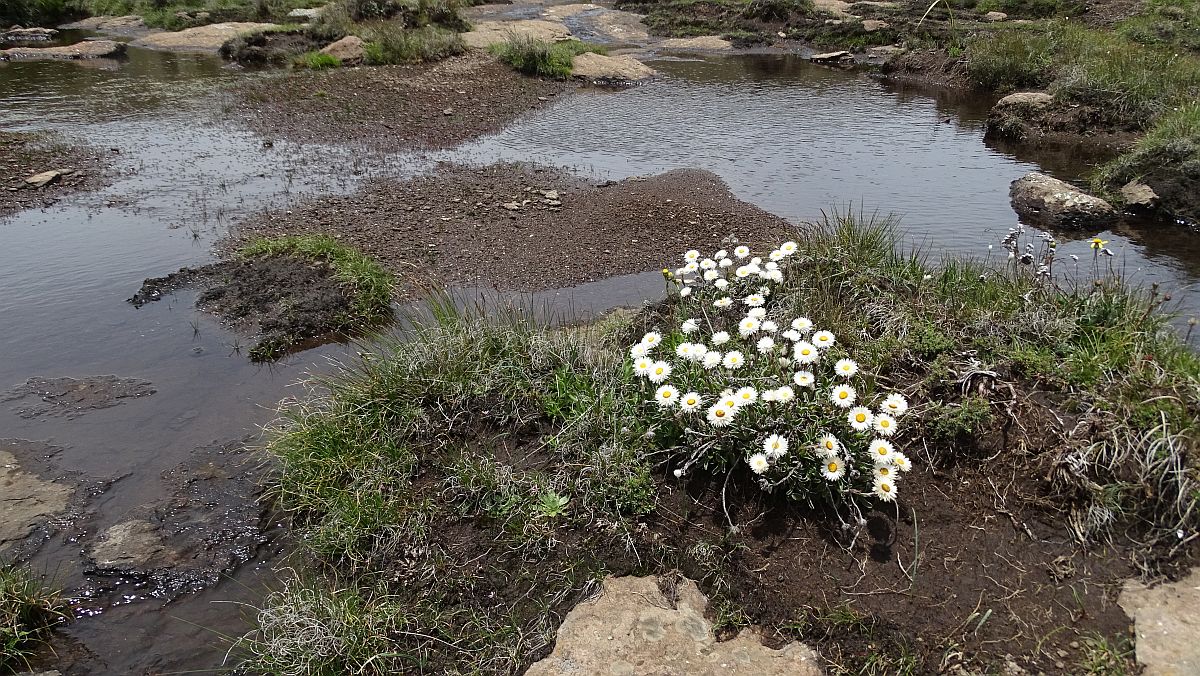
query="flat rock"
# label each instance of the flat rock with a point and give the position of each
(1138, 195)
(1049, 201)
(88, 49)
(108, 23)
(201, 38)
(487, 33)
(131, 545)
(704, 43)
(26, 500)
(73, 397)
(631, 628)
(560, 12)
(600, 68)
(28, 34)
(995, 16)
(1166, 624)
(885, 51)
(308, 13)
(44, 178)
(872, 25)
(1025, 100)
(830, 56)
(350, 50)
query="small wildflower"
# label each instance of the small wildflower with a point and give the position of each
(804, 378)
(748, 326)
(708, 264)
(775, 446)
(885, 472)
(723, 302)
(720, 416)
(784, 394)
(843, 396)
(733, 360)
(721, 283)
(860, 418)
(1098, 243)
(885, 424)
(743, 271)
(845, 368)
(639, 350)
(684, 350)
(823, 339)
(805, 352)
(895, 404)
(789, 247)
(746, 396)
(642, 366)
(885, 490)
(689, 326)
(757, 312)
(802, 324)
(828, 446)
(685, 292)
(710, 275)
(659, 371)
(652, 339)
(791, 334)
(754, 300)
(901, 461)
(691, 256)
(711, 360)
(692, 401)
(759, 463)
(666, 396)
(766, 344)
(833, 469)
(769, 326)
(881, 451)
(720, 338)
(740, 252)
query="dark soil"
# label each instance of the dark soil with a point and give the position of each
(23, 155)
(1062, 124)
(527, 228)
(286, 302)
(436, 105)
(71, 397)
(269, 48)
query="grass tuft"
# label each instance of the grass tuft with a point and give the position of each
(28, 611)
(388, 43)
(316, 61)
(541, 58)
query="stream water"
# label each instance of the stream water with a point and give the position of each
(790, 137)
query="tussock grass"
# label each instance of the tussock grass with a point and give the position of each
(463, 483)
(28, 611)
(316, 61)
(541, 58)
(1173, 23)
(388, 43)
(1167, 156)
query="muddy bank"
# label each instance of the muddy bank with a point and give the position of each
(72, 397)
(37, 170)
(284, 302)
(523, 227)
(435, 105)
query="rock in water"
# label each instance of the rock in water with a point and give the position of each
(88, 49)
(349, 50)
(1049, 201)
(44, 179)
(600, 68)
(1139, 196)
(830, 56)
(1025, 99)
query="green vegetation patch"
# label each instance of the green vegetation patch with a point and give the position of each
(543, 59)
(28, 611)
(1167, 158)
(389, 44)
(317, 61)
(1173, 23)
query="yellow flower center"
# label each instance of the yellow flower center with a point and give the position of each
(833, 467)
(668, 394)
(719, 413)
(861, 417)
(881, 450)
(885, 487)
(691, 402)
(829, 445)
(884, 424)
(843, 395)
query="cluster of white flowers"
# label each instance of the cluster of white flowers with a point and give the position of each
(764, 388)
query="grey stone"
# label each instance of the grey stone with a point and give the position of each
(202, 38)
(1138, 195)
(1049, 201)
(631, 628)
(995, 16)
(597, 67)
(132, 545)
(1166, 624)
(88, 49)
(43, 179)
(830, 56)
(1025, 99)
(350, 50)
(25, 500)
(872, 25)
(28, 34)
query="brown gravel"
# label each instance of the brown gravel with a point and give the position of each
(23, 155)
(557, 230)
(436, 105)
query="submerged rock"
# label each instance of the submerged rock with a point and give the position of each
(1166, 624)
(28, 500)
(633, 628)
(704, 43)
(1049, 201)
(350, 50)
(71, 397)
(88, 49)
(18, 34)
(131, 545)
(202, 38)
(600, 68)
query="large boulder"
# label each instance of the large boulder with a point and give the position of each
(109, 24)
(202, 38)
(1018, 116)
(600, 68)
(88, 49)
(350, 50)
(1048, 201)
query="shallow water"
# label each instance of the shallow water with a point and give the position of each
(788, 136)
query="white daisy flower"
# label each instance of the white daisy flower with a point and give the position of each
(684, 350)
(748, 326)
(659, 371)
(833, 468)
(784, 394)
(685, 292)
(741, 251)
(843, 396)
(639, 350)
(691, 256)
(708, 264)
(691, 267)
(733, 360)
(860, 418)
(772, 265)
(759, 463)
(775, 276)
(652, 339)
(720, 254)
(743, 271)
(823, 339)
(885, 424)
(788, 248)
(723, 302)
(642, 366)
(754, 300)
(698, 351)
(666, 396)
(726, 263)
(722, 283)
(681, 272)
(791, 334)
(764, 291)
(804, 379)
(882, 451)
(757, 312)
(886, 473)
(828, 446)
(805, 352)
(768, 396)
(776, 255)
(729, 399)
(689, 326)
(711, 360)
(766, 344)
(755, 261)
(720, 338)
(692, 401)
(901, 461)
(769, 326)
(720, 416)
(802, 324)
(710, 275)
(746, 396)
(885, 490)
(775, 446)
(895, 404)
(845, 368)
